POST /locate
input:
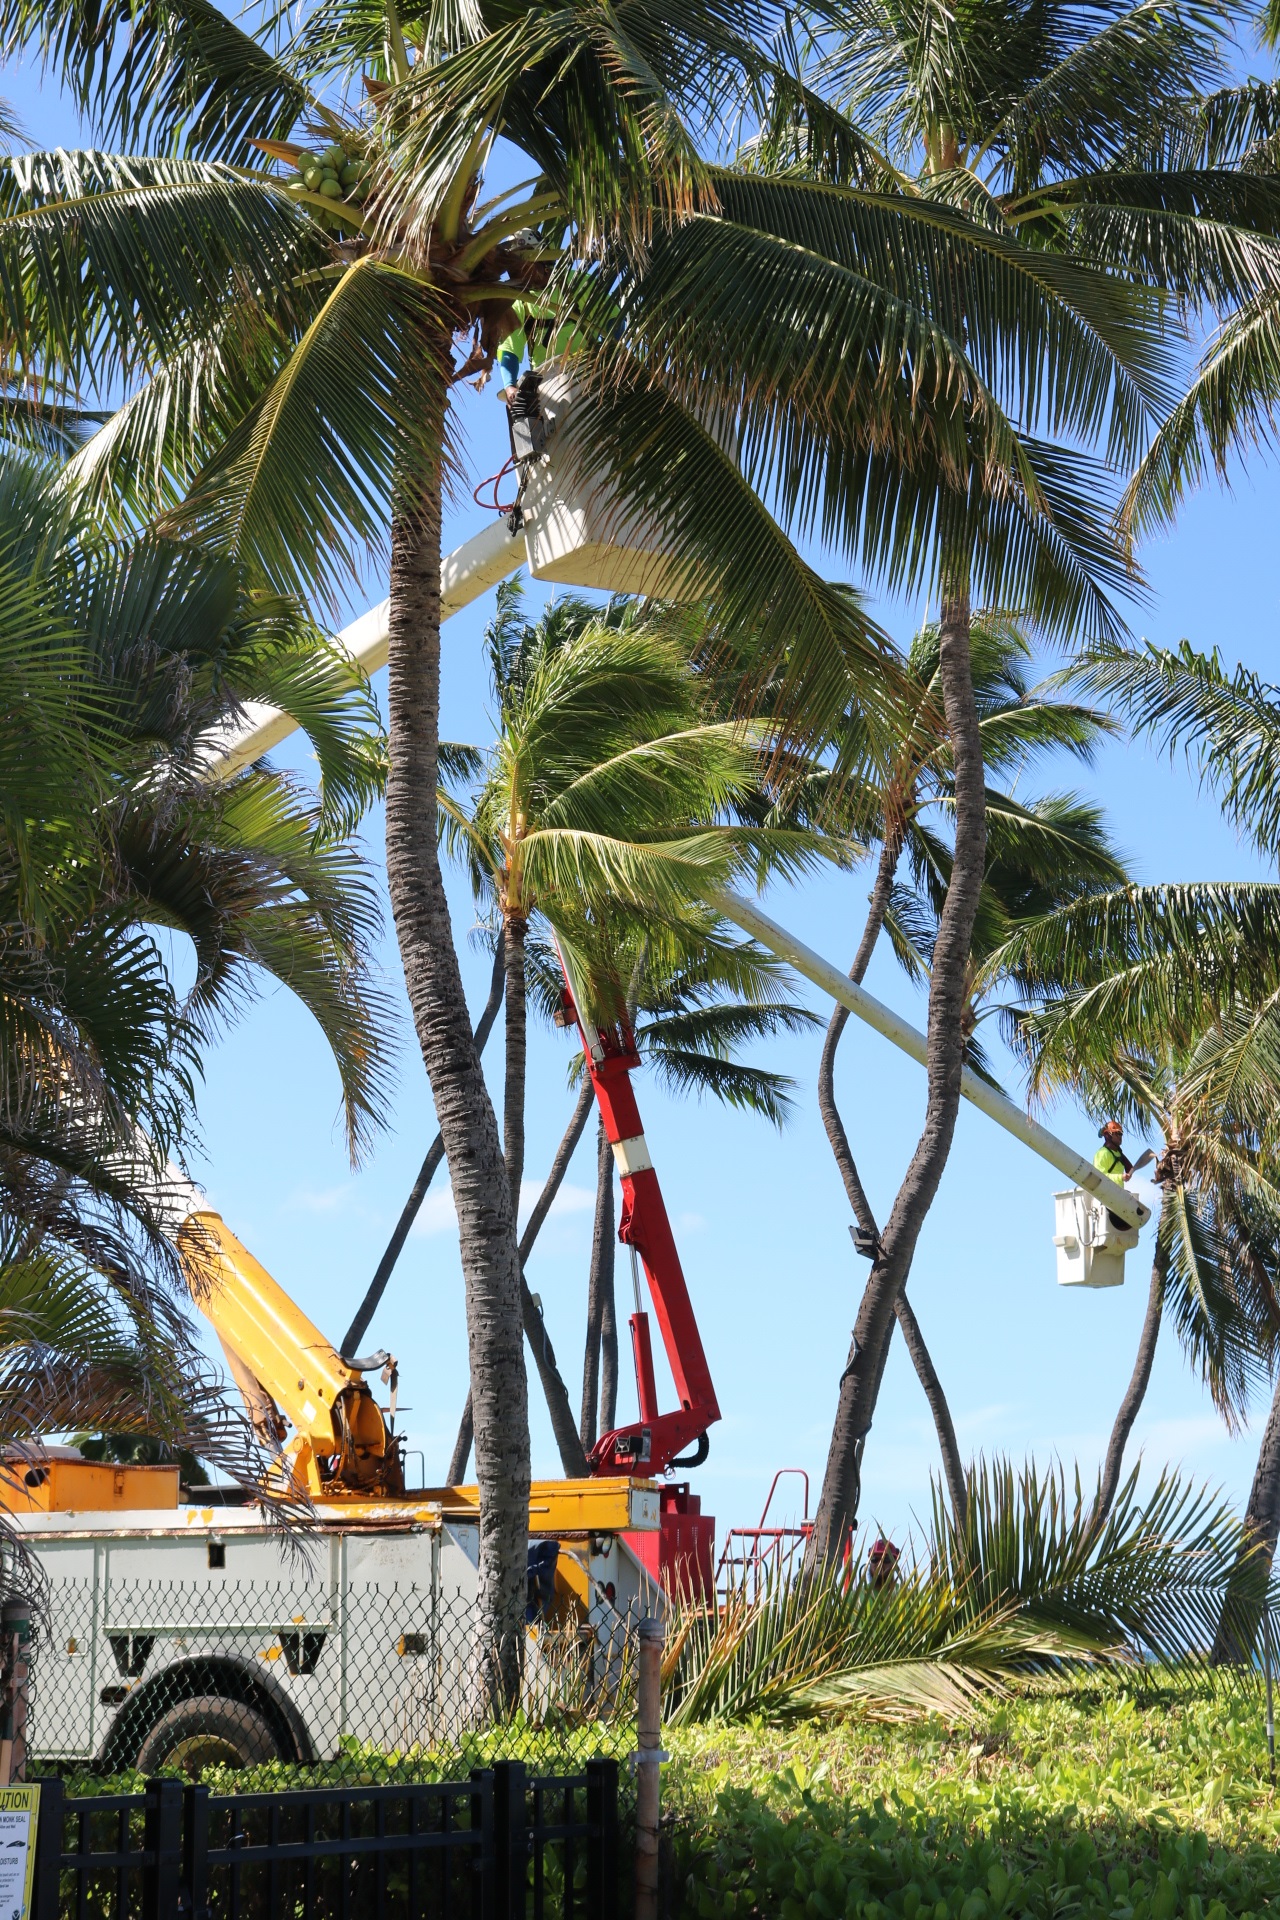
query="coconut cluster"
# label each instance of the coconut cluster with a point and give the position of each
(335, 174)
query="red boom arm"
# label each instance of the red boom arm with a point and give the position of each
(656, 1438)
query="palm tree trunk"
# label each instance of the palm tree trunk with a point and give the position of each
(559, 1167)
(890, 854)
(1138, 1385)
(477, 1172)
(860, 1382)
(609, 1342)
(1237, 1634)
(356, 1332)
(948, 1446)
(514, 930)
(456, 1472)
(573, 1460)
(601, 1255)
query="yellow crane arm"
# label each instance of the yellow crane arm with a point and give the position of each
(342, 1439)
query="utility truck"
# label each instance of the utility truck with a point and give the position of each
(183, 1626)
(187, 1626)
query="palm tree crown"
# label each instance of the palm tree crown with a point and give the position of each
(121, 658)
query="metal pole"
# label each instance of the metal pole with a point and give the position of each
(649, 1758)
(1080, 1172)
(15, 1638)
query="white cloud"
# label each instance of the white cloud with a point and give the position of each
(437, 1213)
(570, 1199)
(1174, 1439)
(323, 1200)
(984, 1421)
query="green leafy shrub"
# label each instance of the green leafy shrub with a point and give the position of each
(1080, 1805)
(548, 1749)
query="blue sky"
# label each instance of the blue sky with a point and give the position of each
(760, 1218)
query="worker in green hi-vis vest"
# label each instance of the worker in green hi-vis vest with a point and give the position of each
(531, 336)
(1111, 1161)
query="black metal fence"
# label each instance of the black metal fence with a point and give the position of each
(503, 1845)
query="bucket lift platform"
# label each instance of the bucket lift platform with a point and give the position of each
(1091, 1243)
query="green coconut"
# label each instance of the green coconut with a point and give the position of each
(330, 188)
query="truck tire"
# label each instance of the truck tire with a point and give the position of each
(208, 1731)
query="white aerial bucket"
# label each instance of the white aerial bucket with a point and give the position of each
(1091, 1248)
(576, 532)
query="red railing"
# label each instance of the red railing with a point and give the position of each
(752, 1556)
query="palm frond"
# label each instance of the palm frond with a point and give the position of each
(1226, 722)
(1028, 1587)
(109, 264)
(179, 72)
(303, 484)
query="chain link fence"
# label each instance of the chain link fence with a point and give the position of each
(259, 1685)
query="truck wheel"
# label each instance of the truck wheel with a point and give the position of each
(210, 1731)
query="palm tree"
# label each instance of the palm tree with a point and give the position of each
(287, 342)
(688, 1017)
(1037, 130)
(89, 1333)
(1217, 1249)
(295, 365)
(1232, 401)
(120, 658)
(603, 768)
(1197, 966)
(1037, 851)
(164, 646)
(604, 785)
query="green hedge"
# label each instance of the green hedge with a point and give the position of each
(1062, 1809)
(546, 1749)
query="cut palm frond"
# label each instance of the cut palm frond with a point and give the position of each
(1027, 1590)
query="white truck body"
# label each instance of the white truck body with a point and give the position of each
(359, 1632)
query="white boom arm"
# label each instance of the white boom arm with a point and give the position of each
(1081, 1172)
(465, 574)
(471, 570)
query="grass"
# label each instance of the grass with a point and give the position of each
(1073, 1806)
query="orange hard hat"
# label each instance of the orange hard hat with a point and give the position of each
(1111, 1126)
